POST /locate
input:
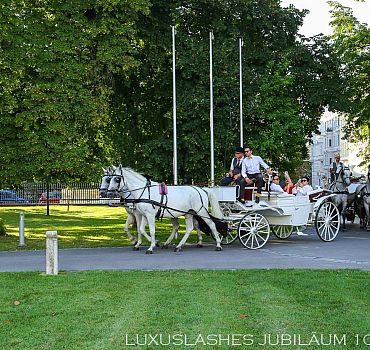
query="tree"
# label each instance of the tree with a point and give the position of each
(57, 66)
(87, 84)
(287, 83)
(351, 41)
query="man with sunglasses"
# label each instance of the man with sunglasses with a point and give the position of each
(302, 187)
(251, 173)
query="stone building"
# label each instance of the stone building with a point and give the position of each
(329, 142)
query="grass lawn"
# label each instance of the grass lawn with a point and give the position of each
(203, 309)
(80, 226)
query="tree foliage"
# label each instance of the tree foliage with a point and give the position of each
(57, 66)
(287, 81)
(86, 83)
(351, 42)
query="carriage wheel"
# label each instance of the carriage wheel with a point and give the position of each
(232, 233)
(327, 221)
(282, 232)
(253, 231)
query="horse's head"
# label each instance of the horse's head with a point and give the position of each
(116, 183)
(105, 180)
(346, 175)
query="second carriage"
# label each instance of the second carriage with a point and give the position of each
(277, 213)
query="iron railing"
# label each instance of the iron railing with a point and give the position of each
(56, 193)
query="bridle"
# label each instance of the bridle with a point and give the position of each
(107, 177)
(341, 175)
(120, 181)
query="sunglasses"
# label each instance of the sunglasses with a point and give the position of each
(304, 180)
(276, 178)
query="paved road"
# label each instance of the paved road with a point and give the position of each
(350, 250)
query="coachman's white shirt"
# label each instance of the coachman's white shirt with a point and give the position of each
(251, 165)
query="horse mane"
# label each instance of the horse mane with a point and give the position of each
(142, 177)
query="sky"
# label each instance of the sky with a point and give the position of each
(317, 21)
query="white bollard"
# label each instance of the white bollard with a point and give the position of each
(51, 252)
(21, 230)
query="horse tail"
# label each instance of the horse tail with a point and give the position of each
(213, 201)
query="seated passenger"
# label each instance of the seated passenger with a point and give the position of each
(302, 187)
(275, 186)
(235, 168)
(288, 188)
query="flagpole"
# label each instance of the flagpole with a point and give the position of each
(241, 90)
(211, 109)
(174, 106)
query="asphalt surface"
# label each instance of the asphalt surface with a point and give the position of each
(350, 250)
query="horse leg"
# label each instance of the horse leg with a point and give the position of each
(367, 205)
(141, 223)
(130, 220)
(151, 222)
(200, 237)
(344, 221)
(212, 226)
(175, 228)
(189, 228)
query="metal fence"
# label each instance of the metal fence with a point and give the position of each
(43, 194)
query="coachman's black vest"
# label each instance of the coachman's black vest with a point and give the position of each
(334, 167)
(237, 168)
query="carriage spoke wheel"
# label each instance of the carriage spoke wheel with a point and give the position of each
(253, 231)
(232, 233)
(282, 232)
(327, 221)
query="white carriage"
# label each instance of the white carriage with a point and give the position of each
(280, 213)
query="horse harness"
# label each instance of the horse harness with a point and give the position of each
(333, 186)
(163, 202)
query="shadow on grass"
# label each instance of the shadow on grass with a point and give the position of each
(88, 226)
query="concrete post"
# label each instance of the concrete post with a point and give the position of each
(51, 252)
(21, 230)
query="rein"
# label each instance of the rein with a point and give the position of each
(160, 204)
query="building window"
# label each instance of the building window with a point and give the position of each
(329, 142)
(330, 161)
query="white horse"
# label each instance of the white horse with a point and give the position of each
(134, 218)
(131, 219)
(366, 199)
(339, 188)
(187, 201)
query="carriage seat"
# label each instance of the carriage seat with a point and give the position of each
(355, 188)
(354, 191)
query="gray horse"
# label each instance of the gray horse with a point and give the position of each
(339, 188)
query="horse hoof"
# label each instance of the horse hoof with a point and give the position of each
(165, 246)
(157, 244)
(149, 252)
(218, 249)
(135, 248)
(177, 249)
(199, 245)
(134, 243)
